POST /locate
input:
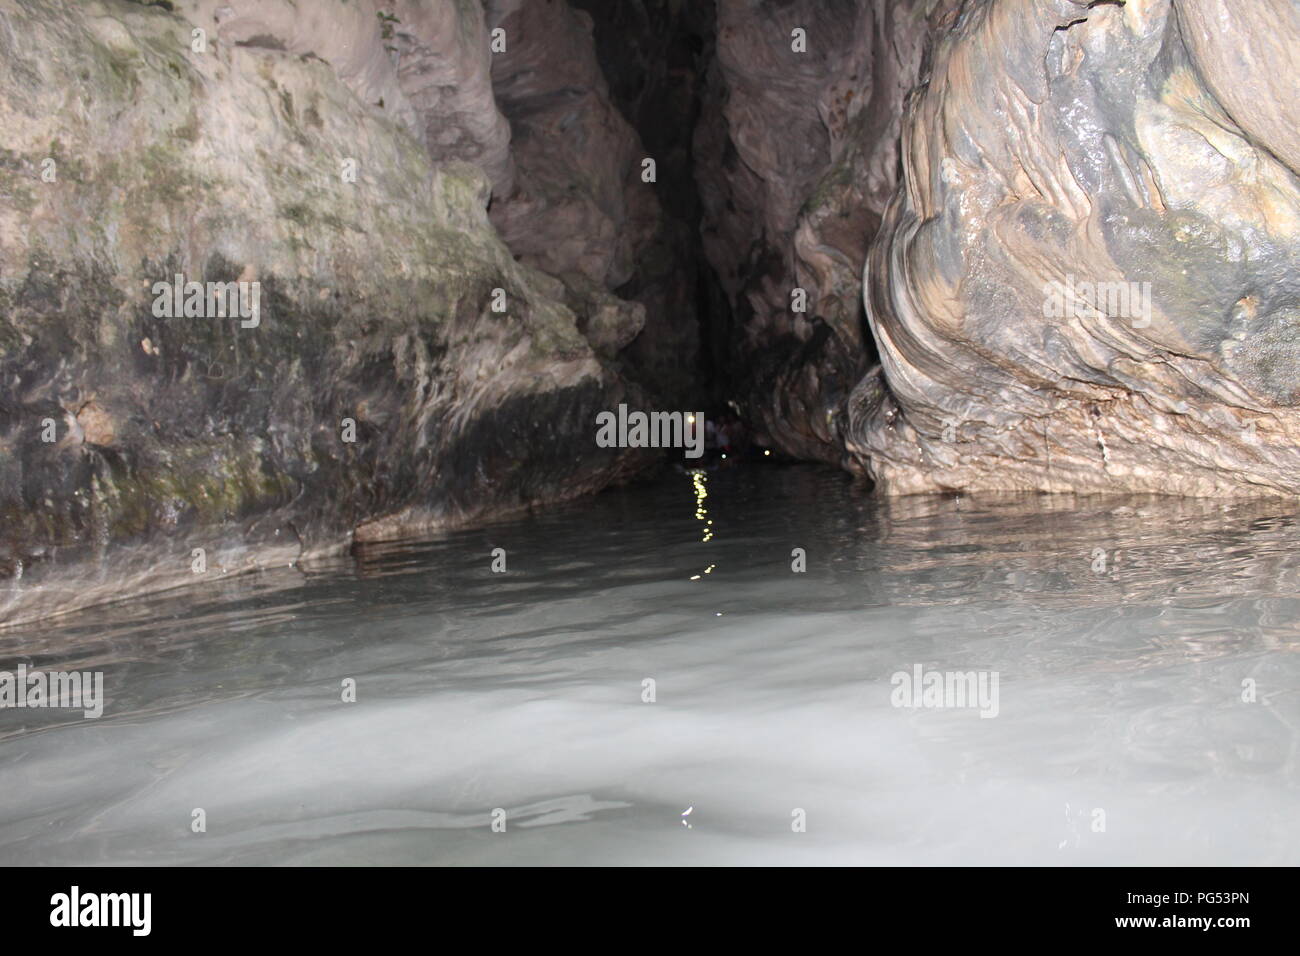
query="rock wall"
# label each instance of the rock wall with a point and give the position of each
(1090, 278)
(797, 153)
(1077, 224)
(377, 392)
(1079, 269)
(582, 207)
(653, 55)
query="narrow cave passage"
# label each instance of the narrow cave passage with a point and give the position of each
(641, 432)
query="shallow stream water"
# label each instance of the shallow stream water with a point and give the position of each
(1143, 654)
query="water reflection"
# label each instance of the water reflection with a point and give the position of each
(1122, 679)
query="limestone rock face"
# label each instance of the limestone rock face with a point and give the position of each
(424, 63)
(797, 154)
(378, 390)
(582, 208)
(958, 245)
(573, 207)
(653, 55)
(1089, 279)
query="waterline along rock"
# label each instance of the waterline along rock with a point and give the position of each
(1105, 145)
(278, 277)
(380, 393)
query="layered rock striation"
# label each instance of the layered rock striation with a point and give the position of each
(1089, 278)
(403, 369)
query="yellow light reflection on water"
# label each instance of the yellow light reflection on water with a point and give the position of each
(700, 481)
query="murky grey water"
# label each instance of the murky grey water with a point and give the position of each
(1121, 734)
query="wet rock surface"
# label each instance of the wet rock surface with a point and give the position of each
(1081, 220)
(797, 159)
(593, 203)
(378, 392)
(993, 245)
(1090, 277)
